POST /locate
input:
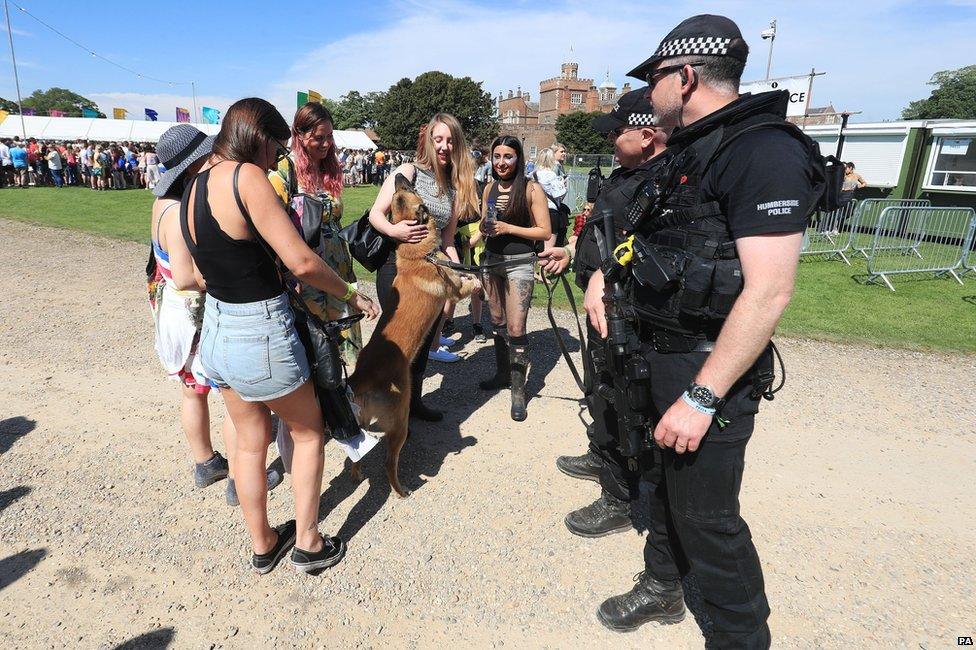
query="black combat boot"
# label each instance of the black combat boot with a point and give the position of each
(418, 409)
(650, 600)
(605, 516)
(586, 467)
(520, 368)
(502, 376)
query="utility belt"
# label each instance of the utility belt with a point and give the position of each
(666, 342)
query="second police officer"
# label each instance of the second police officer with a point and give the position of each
(712, 267)
(638, 146)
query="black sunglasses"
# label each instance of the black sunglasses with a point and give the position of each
(283, 152)
(655, 76)
(620, 130)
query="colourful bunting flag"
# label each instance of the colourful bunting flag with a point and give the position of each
(151, 115)
(89, 112)
(211, 115)
(182, 114)
(3, 116)
(314, 96)
(57, 113)
(302, 99)
(29, 111)
(119, 113)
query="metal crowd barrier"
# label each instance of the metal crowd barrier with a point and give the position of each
(576, 192)
(868, 216)
(831, 233)
(920, 240)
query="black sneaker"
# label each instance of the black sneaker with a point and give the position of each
(265, 562)
(479, 334)
(333, 550)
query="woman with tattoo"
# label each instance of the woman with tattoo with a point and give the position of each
(516, 223)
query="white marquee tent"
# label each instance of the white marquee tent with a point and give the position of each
(105, 130)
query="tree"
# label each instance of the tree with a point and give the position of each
(59, 99)
(356, 111)
(575, 131)
(954, 97)
(409, 104)
(9, 106)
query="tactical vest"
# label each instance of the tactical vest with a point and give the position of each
(685, 271)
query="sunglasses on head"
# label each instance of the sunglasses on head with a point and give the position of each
(655, 76)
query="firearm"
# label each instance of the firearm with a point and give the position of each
(630, 393)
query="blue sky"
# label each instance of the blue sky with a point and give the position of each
(878, 54)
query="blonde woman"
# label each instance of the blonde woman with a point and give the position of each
(443, 176)
(555, 188)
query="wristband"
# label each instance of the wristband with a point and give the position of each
(695, 405)
(569, 253)
(350, 292)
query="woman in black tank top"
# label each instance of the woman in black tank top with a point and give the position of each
(516, 222)
(237, 232)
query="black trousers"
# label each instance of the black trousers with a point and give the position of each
(388, 302)
(615, 476)
(694, 519)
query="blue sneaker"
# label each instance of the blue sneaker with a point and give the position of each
(443, 355)
(447, 343)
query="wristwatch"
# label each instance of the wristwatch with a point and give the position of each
(705, 397)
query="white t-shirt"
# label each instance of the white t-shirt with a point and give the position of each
(5, 158)
(553, 185)
(54, 160)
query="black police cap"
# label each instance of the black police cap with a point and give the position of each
(704, 35)
(633, 109)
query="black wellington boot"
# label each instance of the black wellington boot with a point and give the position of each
(520, 368)
(650, 600)
(502, 376)
(418, 409)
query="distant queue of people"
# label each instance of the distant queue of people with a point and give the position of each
(98, 165)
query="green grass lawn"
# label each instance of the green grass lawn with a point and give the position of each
(831, 301)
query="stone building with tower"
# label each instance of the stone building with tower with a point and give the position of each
(535, 122)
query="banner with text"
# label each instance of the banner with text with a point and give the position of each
(798, 87)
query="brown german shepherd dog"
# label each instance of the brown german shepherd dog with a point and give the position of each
(381, 381)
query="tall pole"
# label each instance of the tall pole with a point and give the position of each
(772, 37)
(193, 89)
(13, 59)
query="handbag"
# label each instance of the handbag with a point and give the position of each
(366, 244)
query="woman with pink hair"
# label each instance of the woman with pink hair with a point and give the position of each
(312, 180)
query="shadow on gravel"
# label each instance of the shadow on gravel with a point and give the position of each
(14, 568)
(8, 497)
(160, 638)
(12, 429)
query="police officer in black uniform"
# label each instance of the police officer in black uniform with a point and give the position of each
(714, 264)
(638, 145)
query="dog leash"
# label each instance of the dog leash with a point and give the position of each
(477, 269)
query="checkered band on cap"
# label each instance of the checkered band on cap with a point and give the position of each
(711, 45)
(640, 119)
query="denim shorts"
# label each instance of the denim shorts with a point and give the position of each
(253, 348)
(516, 271)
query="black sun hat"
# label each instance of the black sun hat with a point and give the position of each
(178, 148)
(632, 109)
(703, 35)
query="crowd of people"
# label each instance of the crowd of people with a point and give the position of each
(98, 165)
(135, 165)
(211, 298)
